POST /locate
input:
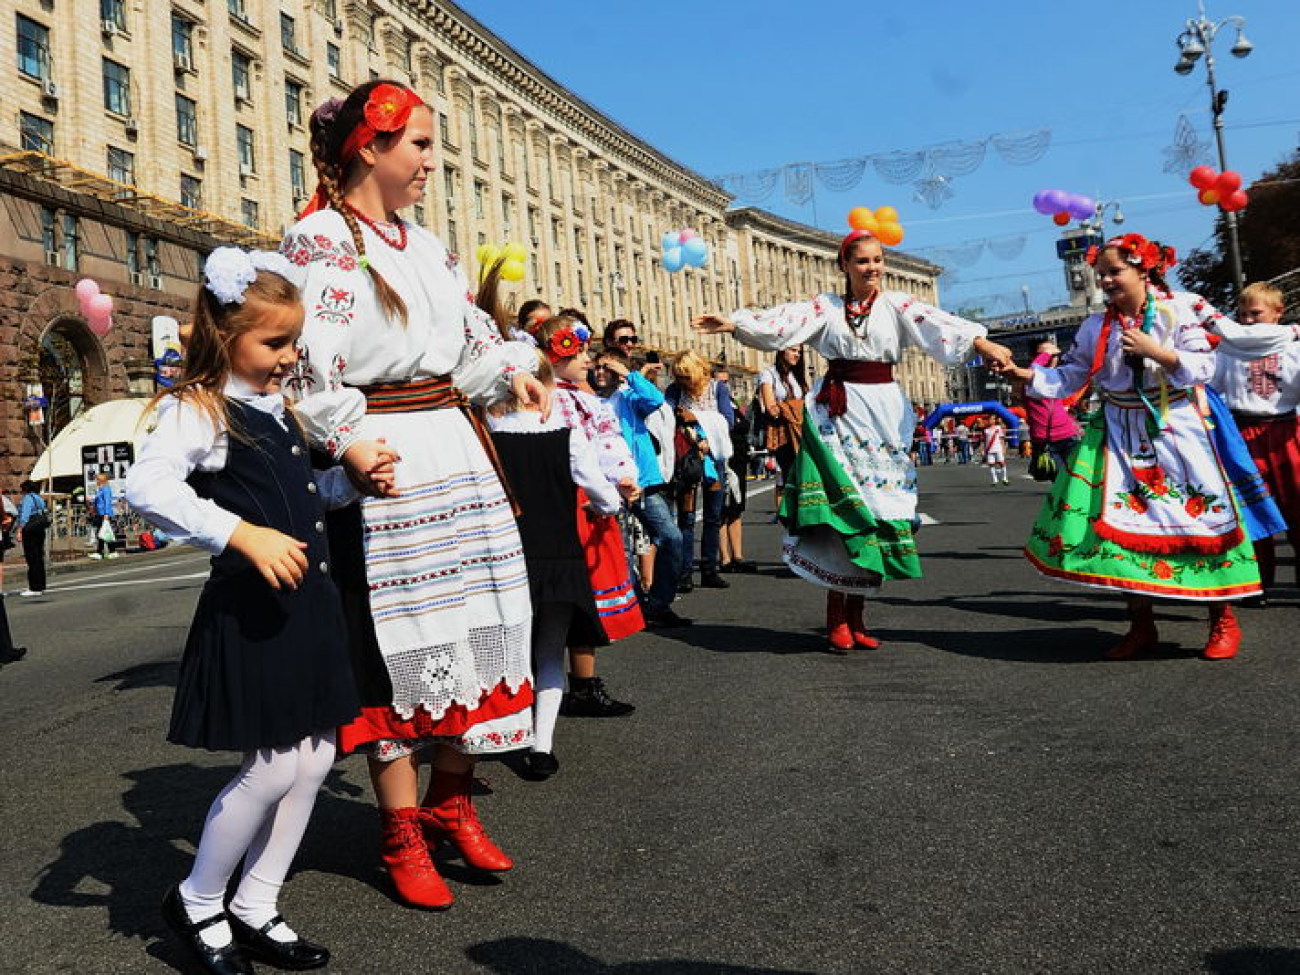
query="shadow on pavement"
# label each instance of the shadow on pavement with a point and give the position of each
(124, 869)
(538, 956)
(729, 638)
(159, 674)
(1253, 960)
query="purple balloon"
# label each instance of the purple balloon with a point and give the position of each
(1081, 207)
(1041, 204)
(1056, 200)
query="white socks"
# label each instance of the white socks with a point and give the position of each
(550, 634)
(260, 816)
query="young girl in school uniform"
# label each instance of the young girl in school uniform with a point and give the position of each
(265, 670)
(548, 462)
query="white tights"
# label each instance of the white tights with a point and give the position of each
(259, 816)
(550, 634)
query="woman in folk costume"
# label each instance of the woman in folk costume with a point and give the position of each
(1147, 507)
(433, 580)
(849, 504)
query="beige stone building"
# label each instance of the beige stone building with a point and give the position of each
(141, 134)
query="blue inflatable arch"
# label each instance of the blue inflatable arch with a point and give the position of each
(960, 410)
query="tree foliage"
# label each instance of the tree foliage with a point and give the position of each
(1269, 231)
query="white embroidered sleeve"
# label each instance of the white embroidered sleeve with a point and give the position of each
(945, 337)
(795, 323)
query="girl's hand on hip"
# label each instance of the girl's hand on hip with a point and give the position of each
(279, 558)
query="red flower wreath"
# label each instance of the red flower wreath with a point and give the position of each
(389, 106)
(567, 342)
(1136, 249)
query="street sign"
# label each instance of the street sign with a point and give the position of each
(1073, 246)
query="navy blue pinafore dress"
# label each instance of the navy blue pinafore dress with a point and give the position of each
(261, 668)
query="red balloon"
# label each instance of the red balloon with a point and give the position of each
(1228, 182)
(1208, 197)
(1235, 201)
(1202, 177)
(1061, 219)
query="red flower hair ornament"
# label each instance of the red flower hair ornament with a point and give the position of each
(1146, 255)
(387, 109)
(567, 342)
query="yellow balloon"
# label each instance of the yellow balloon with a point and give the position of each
(513, 271)
(887, 215)
(515, 252)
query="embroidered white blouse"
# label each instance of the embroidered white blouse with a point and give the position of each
(349, 341)
(185, 440)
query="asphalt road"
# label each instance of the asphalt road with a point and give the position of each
(982, 794)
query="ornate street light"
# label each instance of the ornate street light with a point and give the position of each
(1197, 41)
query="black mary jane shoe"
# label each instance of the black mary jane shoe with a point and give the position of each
(299, 955)
(226, 960)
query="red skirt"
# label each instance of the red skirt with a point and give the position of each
(383, 723)
(611, 582)
(1275, 445)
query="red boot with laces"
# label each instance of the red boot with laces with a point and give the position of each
(1141, 637)
(854, 607)
(448, 815)
(406, 857)
(1225, 634)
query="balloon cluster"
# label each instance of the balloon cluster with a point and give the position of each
(96, 308)
(1062, 206)
(683, 248)
(1223, 188)
(882, 223)
(512, 257)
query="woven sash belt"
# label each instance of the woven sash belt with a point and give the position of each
(841, 371)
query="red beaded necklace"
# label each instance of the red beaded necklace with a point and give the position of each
(392, 234)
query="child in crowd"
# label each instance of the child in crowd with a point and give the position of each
(994, 440)
(1147, 508)
(550, 464)
(265, 670)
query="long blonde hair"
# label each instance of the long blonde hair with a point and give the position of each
(691, 370)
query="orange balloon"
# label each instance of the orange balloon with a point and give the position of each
(887, 215)
(891, 233)
(1061, 219)
(860, 217)
(872, 226)
(1208, 197)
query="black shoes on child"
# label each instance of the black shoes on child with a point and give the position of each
(226, 960)
(587, 698)
(539, 766)
(298, 955)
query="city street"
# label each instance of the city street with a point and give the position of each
(983, 794)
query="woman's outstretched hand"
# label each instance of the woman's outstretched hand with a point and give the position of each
(713, 325)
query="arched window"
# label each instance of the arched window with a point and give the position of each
(62, 371)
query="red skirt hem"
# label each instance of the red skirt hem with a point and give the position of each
(611, 582)
(384, 724)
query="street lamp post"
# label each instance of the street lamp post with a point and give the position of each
(1098, 222)
(1197, 39)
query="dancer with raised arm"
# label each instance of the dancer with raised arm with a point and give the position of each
(849, 504)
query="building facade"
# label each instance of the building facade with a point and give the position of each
(134, 148)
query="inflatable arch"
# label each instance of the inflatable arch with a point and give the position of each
(959, 410)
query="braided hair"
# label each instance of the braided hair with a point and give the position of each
(331, 124)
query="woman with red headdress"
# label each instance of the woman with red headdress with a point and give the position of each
(1147, 507)
(849, 504)
(433, 580)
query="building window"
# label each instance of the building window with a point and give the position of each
(555, 232)
(49, 235)
(36, 134)
(241, 72)
(330, 8)
(68, 244)
(288, 33)
(33, 48)
(500, 133)
(133, 256)
(247, 151)
(121, 166)
(248, 213)
(117, 88)
(533, 219)
(187, 121)
(238, 10)
(479, 189)
(182, 41)
(404, 55)
(293, 102)
(113, 12)
(507, 214)
(298, 176)
(333, 61)
(451, 236)
(191, 192)
(449, 188)
(417, 213)
(524, 168)
(471, 127)
(444, 129)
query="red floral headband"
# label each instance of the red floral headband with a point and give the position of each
(852, 237)
(386, 110)
(567, 342)
(1144, 254)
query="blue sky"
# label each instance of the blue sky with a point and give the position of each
(725, 87)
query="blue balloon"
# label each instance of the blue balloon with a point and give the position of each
(695, 251)
(669, 241)
(673, 259)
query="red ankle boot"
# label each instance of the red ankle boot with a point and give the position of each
(1225, 634)
(406, 857)
(1141, 636)
(837, 626)
(854, 606)
(448, 815)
